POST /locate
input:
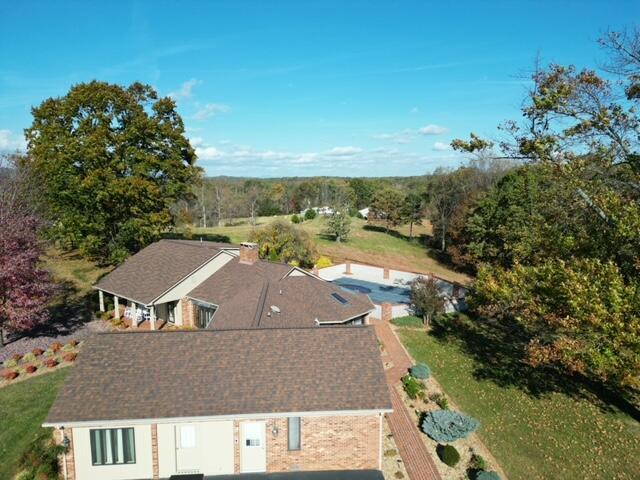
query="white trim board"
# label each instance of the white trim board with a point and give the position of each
(246, 416)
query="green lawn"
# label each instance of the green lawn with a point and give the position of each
(549, 436)
(23, 408)
(366, 245)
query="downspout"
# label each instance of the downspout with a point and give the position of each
(379, 444)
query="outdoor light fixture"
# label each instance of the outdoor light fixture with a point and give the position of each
(274, 431)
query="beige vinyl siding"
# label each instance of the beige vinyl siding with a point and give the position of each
(214, 448)
(142, 468)
(192, 281)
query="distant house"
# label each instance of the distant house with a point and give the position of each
(156, 405)
(324, 211)
(220, 286)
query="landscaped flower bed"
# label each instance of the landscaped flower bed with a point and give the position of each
(461, 458)
(38, 361)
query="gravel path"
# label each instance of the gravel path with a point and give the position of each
(28, 343)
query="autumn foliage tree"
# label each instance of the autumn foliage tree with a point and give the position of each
(25, 288)
(557, 241)
(111, 161)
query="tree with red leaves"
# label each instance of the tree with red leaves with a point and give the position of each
(25, 288)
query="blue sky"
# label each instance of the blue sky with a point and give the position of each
(358, 88)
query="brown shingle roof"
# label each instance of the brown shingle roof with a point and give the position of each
(245, 294)
(144, 375)
(156, 268)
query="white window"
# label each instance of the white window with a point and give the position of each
(187, 436)
(111, 446)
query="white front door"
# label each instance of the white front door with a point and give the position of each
(253, 449)
(187, 449)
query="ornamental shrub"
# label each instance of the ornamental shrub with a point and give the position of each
(68, 348)
(51, 362)
(37, 351)
(10, 374)
(70, 357)
(55, 346)
(29, 357)
(30, 368)
(421, 371)
(324, 262)
(478, 462)
(49, 353)
(448, 426)
(310, 214)
(448, 454)
(11, 363)
(487, 476)
(412, 386)
(440, 400)
(40, 459)
(73, 343)
(17, 357)
(295, 218)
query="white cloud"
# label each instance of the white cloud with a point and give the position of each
(405, 136)
(209, 110)
(344, 151)
(441, 146)
(432, 130)
(208, 153)
(11, 142)
(196, 141)
(186, 90)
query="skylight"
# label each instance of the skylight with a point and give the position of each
(340, 298)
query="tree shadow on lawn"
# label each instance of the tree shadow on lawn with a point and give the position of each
(69, 311)
(498, 349)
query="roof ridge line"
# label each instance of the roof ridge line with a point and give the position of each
(245, 329)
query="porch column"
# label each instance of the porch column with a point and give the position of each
(134, 315)
(101, 298)
(152, 317)
(116, 307)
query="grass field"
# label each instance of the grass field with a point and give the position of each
(23, 408)
(553, 436)
(72, 268)
(365, 244)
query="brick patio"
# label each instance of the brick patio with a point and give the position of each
(417, 460)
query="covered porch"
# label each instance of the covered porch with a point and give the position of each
(139, 316)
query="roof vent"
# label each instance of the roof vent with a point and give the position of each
(275, 309)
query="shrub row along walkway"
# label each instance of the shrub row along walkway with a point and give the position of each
(417, 460)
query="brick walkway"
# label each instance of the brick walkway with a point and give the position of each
(417, 460)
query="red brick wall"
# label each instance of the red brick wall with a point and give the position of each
(327, 443)
(188, 313)
(249, 252)
(58, 436)
(154, 451)
(387, 312)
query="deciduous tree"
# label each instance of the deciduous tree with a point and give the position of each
(426, 298)
(111, 162)
(25, 287)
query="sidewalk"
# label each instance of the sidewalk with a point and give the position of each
(417, 460)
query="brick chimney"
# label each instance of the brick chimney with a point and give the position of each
(248, 253)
